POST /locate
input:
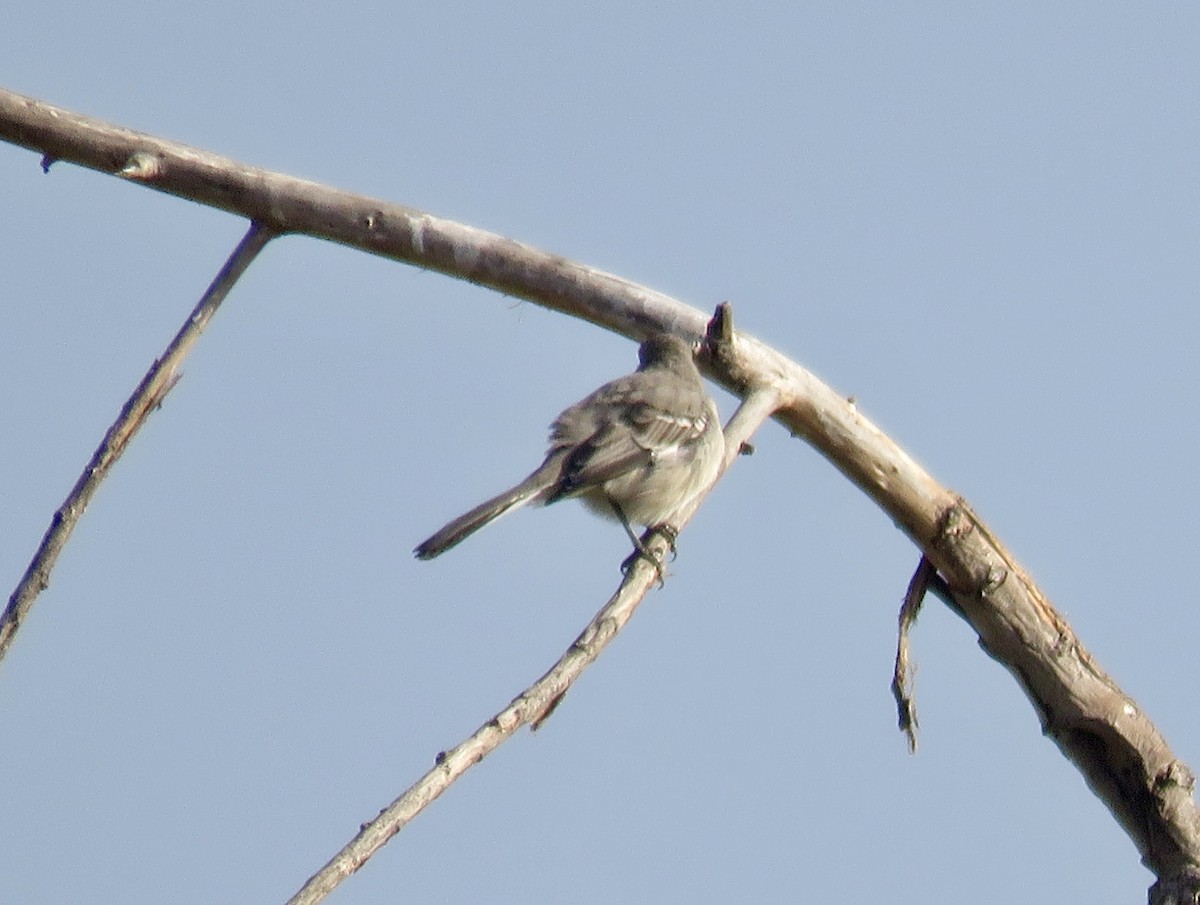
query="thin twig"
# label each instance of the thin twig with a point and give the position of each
(902, 674)
(535, 702)
(149, 395)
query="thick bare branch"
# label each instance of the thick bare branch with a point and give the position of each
(1125, 759)
(287, 204)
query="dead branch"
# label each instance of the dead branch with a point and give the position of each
(146, 398)
(1120, 752)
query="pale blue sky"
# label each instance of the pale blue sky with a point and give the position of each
(979, 220)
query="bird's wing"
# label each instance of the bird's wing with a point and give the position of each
(622, 427)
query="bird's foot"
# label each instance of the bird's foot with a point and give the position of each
(670, 534)
(641, 552)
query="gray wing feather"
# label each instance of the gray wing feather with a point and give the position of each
(624, 426)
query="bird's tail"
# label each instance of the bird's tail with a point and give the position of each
(529, 490)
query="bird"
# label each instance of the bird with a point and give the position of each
(635, 450)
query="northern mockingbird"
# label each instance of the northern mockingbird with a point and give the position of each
(634, 450)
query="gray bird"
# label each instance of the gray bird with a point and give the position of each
(635, 450)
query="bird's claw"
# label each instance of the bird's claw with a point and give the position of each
(642, 553)
(670, 534)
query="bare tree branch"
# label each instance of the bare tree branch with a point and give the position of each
(149, 395)
(534, 703)
(286, 204)
(902, 673)
(1123, 757)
